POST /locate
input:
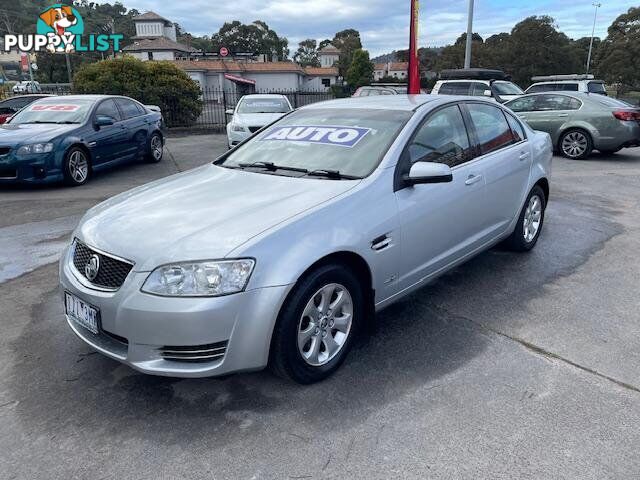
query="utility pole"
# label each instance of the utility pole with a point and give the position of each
(593, 32)
(467, 52)
(69, 75)
(414, 61)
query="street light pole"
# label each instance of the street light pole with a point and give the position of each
(467, 52)
(593, 32)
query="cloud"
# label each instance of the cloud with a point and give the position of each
(383, 24)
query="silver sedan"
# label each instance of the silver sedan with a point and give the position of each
(281, 251)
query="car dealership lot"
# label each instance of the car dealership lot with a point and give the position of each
(511, 366)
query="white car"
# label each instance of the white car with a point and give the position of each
(254, 112)
(567, 83)
(500, 90)
(27, 87)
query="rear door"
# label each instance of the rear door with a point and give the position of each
(506, 159)
(135, 126)
(551, 112)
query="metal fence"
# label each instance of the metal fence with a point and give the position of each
(216, 102)
(209, 113)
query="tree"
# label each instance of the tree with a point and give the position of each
(324, 43)
(157, 83)
(348, 42)
(619, 55)
(256, 38)
(307, 53)
(452, 56)
(361, 70)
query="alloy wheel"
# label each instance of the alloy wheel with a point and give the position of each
(156, 147)
(325, 324)
(575, 144)
(532, 218)
(78, 166)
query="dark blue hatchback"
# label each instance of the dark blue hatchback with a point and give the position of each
(67, 138)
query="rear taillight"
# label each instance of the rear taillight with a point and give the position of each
(627, 115)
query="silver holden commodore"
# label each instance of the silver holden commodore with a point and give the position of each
(280, 252)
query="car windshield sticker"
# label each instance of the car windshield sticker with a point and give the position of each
(264, 103)
(325, 135)
(54, 108)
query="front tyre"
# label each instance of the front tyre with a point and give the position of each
(317, 325)
(155, 150)
(529, 225)
(77, 167)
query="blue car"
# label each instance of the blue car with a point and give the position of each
(67, 138)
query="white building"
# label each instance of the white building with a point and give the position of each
(328, 56)
(155, 39)
(397, 70)
(248, 77)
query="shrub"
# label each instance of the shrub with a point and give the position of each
(154, 83)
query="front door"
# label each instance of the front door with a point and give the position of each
(440, 222)
(106, 142)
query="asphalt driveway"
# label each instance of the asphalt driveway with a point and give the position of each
(511, 366)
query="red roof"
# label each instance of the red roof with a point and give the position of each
(399, 67)
(320, 71)
(233, 66)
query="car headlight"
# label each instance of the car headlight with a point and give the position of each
(200, 279)
(35, 148)
(236, 127)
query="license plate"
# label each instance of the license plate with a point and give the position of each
(81, 312)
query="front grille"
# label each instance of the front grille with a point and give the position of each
(195, 353)
(254, 129)
(4, 150)
(112, 272)
(8, 173)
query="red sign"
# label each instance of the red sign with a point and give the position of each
(224, 51)
(24, 62)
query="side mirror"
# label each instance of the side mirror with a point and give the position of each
(487, 93)
(229, 111)
(428, 172)
(103, 121)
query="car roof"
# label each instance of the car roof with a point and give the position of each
(390, 102)
(264, 95)
(578, 95)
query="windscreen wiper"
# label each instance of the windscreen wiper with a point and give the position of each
(272, 167)
(332, 174)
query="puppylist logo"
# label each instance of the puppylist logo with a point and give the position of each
(60, 29)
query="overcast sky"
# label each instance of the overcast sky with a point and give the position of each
(383, 24)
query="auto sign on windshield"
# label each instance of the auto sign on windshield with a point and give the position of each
(326, 135)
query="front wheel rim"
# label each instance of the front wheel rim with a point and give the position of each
(574, 144)
(532, 219)
(78, 166)
(325, 324)
(156, 147)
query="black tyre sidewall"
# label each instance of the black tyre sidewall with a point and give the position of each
(517, 241)
(68, 179)
(587, 152)
(286, 359)
(150, 157)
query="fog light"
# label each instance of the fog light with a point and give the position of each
(39, 172)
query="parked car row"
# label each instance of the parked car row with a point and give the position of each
(67, 138)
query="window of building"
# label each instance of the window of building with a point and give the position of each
(326, 82)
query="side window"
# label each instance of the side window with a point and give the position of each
(478, 89)
(549, 103)
(140, 108)
(567, 87)
(596, 87)
(455, 88)
(128, 108)
(539, 88)
(442, 138)
(108, 108)
(516, 128)
(491, 126)
(524, 104)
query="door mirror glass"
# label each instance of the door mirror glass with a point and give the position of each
(103, 121)
(229, 111)
(429, 172)
(487, 93)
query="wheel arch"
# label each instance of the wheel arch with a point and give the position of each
(544, 184)
(565, 129)
(83, 147)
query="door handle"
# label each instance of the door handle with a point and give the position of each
(473, 179)
(524, 156)
(563, 115)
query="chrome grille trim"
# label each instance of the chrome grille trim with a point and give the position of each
(195, 353)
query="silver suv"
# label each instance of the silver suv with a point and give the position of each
(281, 250)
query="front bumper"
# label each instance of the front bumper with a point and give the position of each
(34, 169)
(137, 328)
(234, 138)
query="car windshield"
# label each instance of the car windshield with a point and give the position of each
(349, 141)
(55, 110)
(263, 105)
(507, 88)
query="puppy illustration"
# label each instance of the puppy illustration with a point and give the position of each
(59, 18)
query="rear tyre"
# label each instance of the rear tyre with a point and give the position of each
(610, 152)
(77, 167)
(155, 150)
(317, 325)
(529, 225)
(576, 144)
